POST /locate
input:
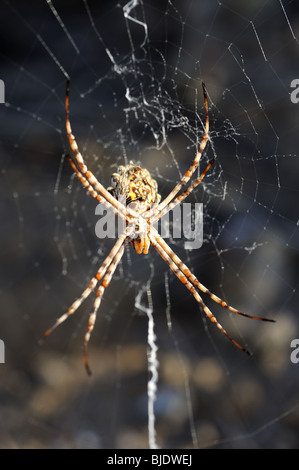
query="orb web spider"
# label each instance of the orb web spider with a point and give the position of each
(134, 197)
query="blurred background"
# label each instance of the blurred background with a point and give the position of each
(136, 70)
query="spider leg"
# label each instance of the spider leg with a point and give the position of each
(186, 193)
(79, 158)
(92, 284)
(183, 278)
(97, 302)
(195, 162)
(187, 278)
(92, 191)
(193, 279)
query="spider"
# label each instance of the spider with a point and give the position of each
(134, 197)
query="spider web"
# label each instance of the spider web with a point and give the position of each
(136, 69)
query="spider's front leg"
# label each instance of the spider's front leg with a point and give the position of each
(97, 302)
(105, 272)
(190, 281)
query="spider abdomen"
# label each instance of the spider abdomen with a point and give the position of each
(133, 183)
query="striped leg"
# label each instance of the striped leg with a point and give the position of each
(99, 296)
(83, 168)
(194, 292)
(193, 279)
(183, 273)
(195, 162)
(92, 284)
(183, 196)
(92, 191)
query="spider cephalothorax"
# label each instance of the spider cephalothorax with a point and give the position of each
(132, 197)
